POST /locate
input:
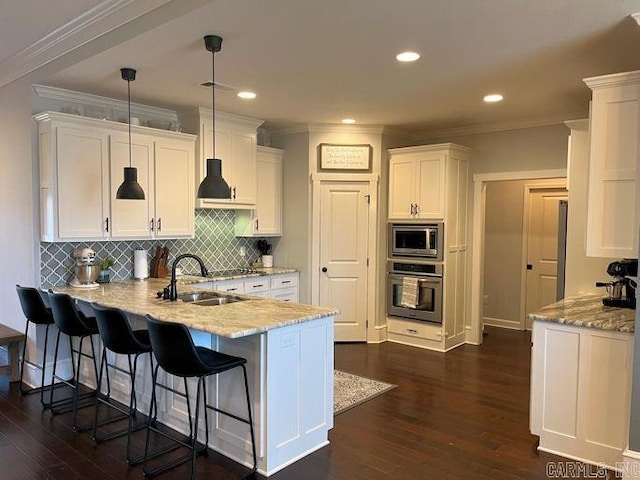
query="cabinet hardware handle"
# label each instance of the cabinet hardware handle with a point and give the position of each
(231, 289)
(258, 286)
(257, 224)
(287, 300)
(529, 266)
(417, 209)
(289, 281)
(324, 269)
(152, 224)
(412, 331)
(412, 209)
(159, 224)
(106, 224)
(234, 193)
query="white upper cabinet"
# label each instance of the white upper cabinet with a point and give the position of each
(74, 182)
(81, 168)
(236, 147)
(131, 218)
(614, 155)
(418, 181)
(173, 187)
(266, 219)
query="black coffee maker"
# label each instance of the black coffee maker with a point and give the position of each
(622, 289)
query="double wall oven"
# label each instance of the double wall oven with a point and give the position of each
(415, 271)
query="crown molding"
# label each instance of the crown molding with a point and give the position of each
(617, 79)
(579, 124)
(205, 113)
(104, 17)
(137, 109)
(497, 127)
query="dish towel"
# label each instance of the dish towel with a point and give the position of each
(409, 292)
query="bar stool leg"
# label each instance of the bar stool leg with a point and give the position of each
(253, 439)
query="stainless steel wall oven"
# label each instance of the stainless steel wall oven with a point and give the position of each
(414, 290)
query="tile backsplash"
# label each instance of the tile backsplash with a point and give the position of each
(214, 242)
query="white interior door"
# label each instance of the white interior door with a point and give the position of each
(542, 248)
(344, 225)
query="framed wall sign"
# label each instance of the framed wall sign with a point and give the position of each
(345, 157)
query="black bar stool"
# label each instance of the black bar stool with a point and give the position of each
(118, 337)
(72, 323)
(37, 312)
(176, 353)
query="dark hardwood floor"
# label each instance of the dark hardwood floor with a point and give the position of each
(459, 415)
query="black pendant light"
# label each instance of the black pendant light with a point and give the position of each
(213, 185)
(130, 188)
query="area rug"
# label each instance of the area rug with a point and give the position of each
(352, 390)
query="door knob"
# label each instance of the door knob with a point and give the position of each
(324, 269)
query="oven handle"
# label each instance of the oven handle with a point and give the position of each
(430, 280)
(427, 277)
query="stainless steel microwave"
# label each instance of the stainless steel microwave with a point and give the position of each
(411, 240)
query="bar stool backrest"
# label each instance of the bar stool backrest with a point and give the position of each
(66, 316)
(115, 331)
(33, 306)
(174, 349)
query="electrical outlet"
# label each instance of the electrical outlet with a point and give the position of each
(243, 252)
(485, 299)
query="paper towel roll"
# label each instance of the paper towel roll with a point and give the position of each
(140, 264)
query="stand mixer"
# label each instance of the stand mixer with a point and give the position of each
(622, 289)
(85, 272)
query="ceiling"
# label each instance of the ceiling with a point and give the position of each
(321, 61)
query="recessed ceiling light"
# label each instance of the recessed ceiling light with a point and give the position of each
(493, 98)
(348, 121)
(247, 95)
(407, 57)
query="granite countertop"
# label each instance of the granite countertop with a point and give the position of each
(214, 277)
(232, 320)
(587, 310)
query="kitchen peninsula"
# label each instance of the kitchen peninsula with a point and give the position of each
(581, 365)
(289, 352)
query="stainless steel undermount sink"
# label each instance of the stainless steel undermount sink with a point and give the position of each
(197, 296)
(217, 301)
(207, 299)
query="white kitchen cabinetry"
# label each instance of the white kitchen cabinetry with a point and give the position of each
(236, 147)
(281, 286)
(285, 287)
(614, 155)
(266, 219)
(74, 181)
(581, 391)
(173, 186)
(417, 183)
(81, 168)
(165, 173)
(431, 183)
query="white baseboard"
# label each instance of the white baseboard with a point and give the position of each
(378, 334)
(501, 322)
(630, 467)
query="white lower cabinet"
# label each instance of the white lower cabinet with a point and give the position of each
(285, 287)
(581, 391)
(282, 286)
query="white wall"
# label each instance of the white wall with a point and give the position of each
(293, 248)
(18, 245)
(581, 272)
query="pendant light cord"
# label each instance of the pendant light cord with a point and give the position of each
(129, 103)
(213, 102)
